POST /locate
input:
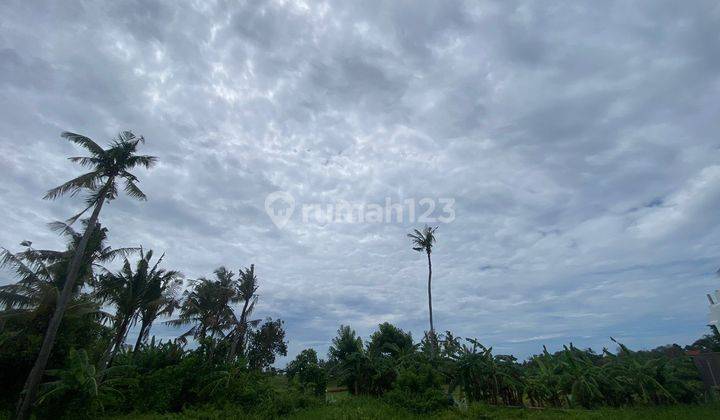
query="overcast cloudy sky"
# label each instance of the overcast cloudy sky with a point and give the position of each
(579, 140)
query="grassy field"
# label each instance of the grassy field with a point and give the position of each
(369, 408)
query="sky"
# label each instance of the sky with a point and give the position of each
(578, 140)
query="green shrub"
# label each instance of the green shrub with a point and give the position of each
(76, 390)
(419, 389)
(306, 370)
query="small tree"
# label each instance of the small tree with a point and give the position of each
(349, 362)
(134, 294)
(160, 298)
(308, 371)
(206, 306)
(390, 340)
(265, 343)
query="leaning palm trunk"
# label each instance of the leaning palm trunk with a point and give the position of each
(246, 291)
(33, 380)
(109, 355)
(235, 345)
(145, 325)
(239, 339)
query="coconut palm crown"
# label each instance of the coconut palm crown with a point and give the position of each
(107, 166)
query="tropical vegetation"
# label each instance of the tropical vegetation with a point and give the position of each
(66, 318)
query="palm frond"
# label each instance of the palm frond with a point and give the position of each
(10, 260)
(142, 160)
(75, 218)
(42, 255)
(88, 181)
(178, 322)
(133, 191)
(85, 160)
(130, 137)
(11, 297)
(63, 229)
(110, 254)
(83, 141)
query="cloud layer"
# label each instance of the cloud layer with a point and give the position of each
(578, 140)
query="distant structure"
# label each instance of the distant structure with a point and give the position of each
(714, 320)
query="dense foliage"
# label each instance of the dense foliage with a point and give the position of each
(465, 371)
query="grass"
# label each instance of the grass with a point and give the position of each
(360, 408)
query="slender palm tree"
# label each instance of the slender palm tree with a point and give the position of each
(128, 291)
(423, 241)
(246, 288)
(206, 306)
(160, 298)
(108, 167)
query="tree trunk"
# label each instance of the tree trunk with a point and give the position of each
(35, 376)
(109, 354)
(432, 327)
(118, 345)
(145, 326)
(202, 331)
(240, 335)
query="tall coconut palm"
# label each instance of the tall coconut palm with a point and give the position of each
(245, 292)
(206, 306)
(108, 167)
(423, 241)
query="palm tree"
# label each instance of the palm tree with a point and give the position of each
(129, 292)
(42, 274)
(207, 306)
(159, 299)
(423, 242)
(245, 292)
(348, 359)
(32, 299)
(108, 166)
(96, 252)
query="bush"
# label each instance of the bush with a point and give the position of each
(76, 390)
(160, 390)
(307, 371)
(419, 389)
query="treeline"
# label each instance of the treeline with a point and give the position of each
(92, 367)
(422, 377)
(447, 371)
